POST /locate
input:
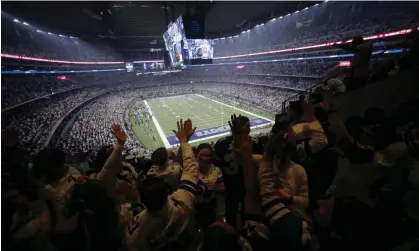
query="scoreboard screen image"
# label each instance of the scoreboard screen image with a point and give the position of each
(181, 49)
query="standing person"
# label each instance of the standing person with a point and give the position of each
(166, 168)
(360, 63)
(209, 184)
(166, 215)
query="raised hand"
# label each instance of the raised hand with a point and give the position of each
(235, 127)
(190, 130)
(184, 130)
(119, 134)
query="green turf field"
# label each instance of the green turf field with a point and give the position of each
(209, 116)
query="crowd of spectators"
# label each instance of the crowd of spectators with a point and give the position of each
(34, 122)
(23, 40)
(317, 181)
(16, 90)
(327, 22)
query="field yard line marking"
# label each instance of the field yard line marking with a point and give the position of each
(235, 108)
(156, 123)
(206, 123)
(221, 134)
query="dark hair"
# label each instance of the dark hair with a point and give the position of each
(297, 107)
(357, 40)
(217, 238)
(153, 193)
(101, 157)
(47, 162)
(98, 210)
(204, 146)
(159, 156)
(354, 126)
(374, 116)
(243, 119)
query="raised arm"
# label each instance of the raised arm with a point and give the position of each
(189, 179)
(242, 149)
(113, 164)
(347, 47)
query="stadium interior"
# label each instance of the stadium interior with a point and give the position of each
(99, 153)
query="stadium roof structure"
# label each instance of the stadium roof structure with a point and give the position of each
(132, 26)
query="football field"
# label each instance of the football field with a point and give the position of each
(209, 116)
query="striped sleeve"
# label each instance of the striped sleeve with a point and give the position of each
(189, 179)
(272, 206)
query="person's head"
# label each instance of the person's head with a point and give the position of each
(160, 157)
(242, 121)
(354, 126)
(153, 193)
(204, 155)
(48, 164)
(295, 110)
(101, 157)
(221, 237)
(301, 98)
(374, 116)
(357, 40)
(282, 158)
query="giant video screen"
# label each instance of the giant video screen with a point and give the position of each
(200, 48)
(175, 39)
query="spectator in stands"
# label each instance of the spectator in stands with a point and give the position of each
(360, 64)
(165, 216)
(167, 169)
(210, 183)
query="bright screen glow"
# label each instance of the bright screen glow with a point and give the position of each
(172, 39)
(200, 48)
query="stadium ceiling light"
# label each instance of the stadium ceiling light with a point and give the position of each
(243, 32)
(39, 31)
(16, 21)
(223, 38)
(25, 23)
(262, 24)
(297, 11)
(316, 4)
(61, 35)
(280, 17)
(288, 14)
(49, 33)
(273, 19)
(306, 8)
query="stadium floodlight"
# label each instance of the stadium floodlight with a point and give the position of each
(288, 14)
(61, 35)
(39, 31)
(25, 23)
(16, 21)
(297, 11)
(49, 33)
(257, 25)
(262, 24)
(223, 38)
(248, 31)
(243, 32)
(306, 8)
(273, 19)
(316, 4)
(280, 17)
